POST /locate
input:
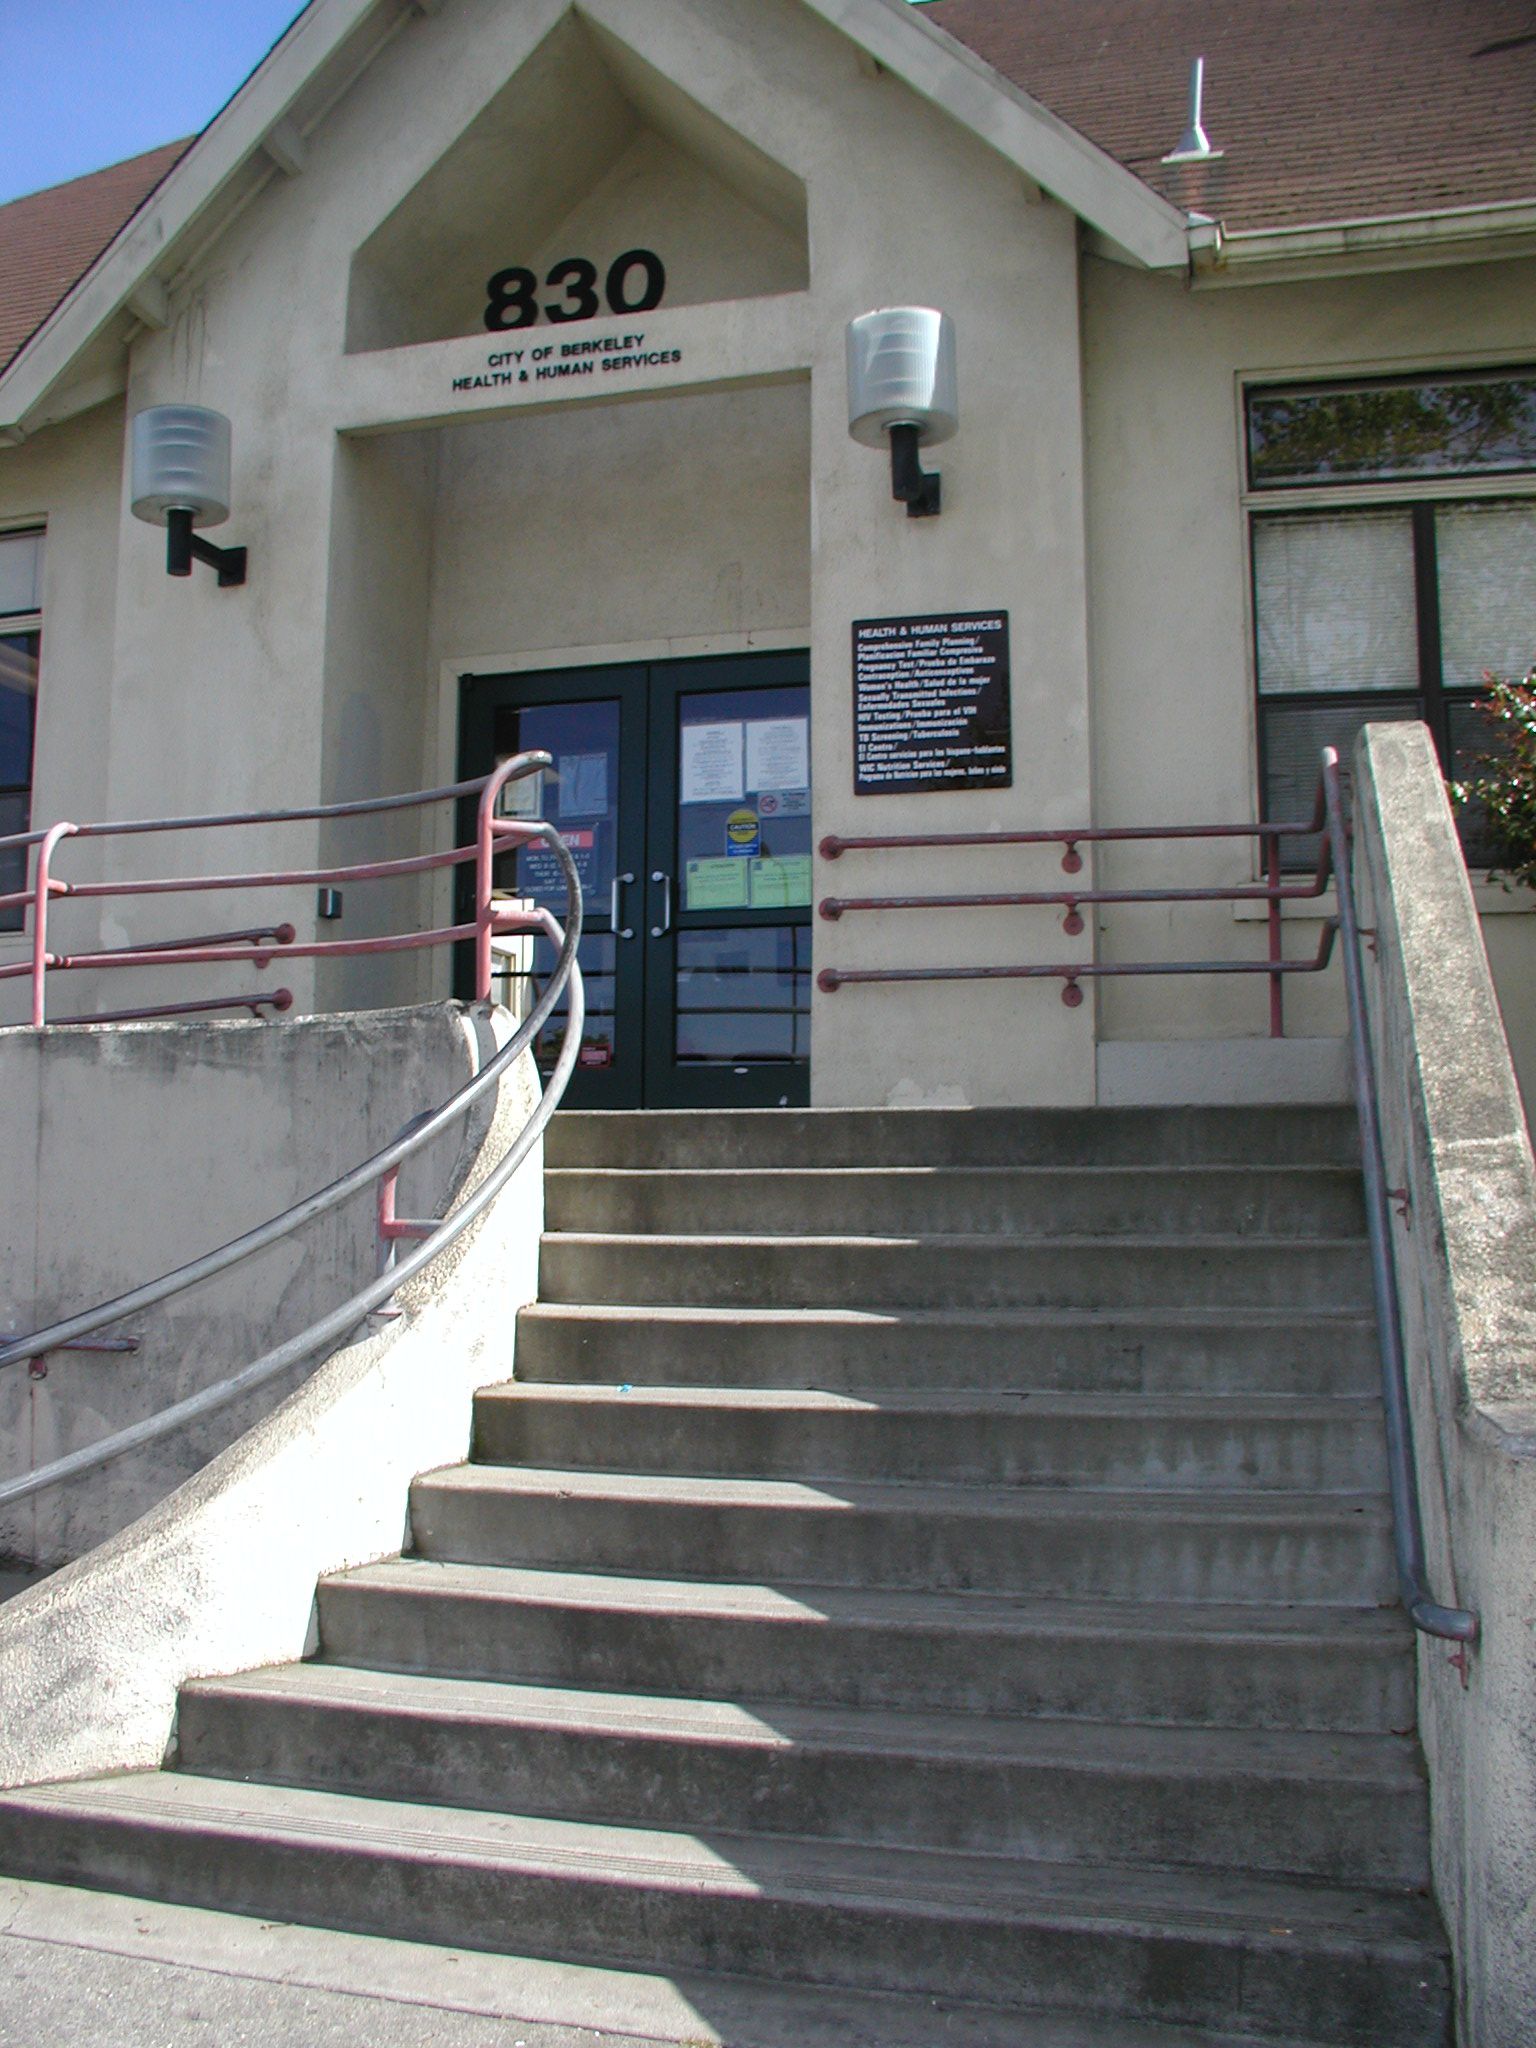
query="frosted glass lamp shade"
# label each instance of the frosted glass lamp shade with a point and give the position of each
(901, 373)
(180, 463)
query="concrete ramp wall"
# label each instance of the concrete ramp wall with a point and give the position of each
(131, 1149)
(220, 1575)
(1456, 1141)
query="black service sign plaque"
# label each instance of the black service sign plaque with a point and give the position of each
(931, 704)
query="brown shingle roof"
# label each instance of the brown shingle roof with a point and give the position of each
(1326, 109)
(51, 238)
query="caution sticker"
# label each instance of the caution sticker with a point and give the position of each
(743, 835)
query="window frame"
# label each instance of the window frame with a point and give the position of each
(13, 922)
(1397, 379)
(1419, 496)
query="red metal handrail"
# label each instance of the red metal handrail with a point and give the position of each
(1272, 892)
(258, 947)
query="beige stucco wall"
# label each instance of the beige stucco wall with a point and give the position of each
(682, 519)
(376, 726)
(1174, 713)
(401, 530)
(690, 522)
(68, 482)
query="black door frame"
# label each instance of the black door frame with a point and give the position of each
(649, 694)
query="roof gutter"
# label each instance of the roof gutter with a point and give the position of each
(1382, 241)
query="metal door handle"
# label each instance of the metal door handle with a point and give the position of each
(659, 931)
(619, 882)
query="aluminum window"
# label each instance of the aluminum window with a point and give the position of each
(1365, 610)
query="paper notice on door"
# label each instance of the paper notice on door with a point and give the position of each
(523, 798)
(781, 884)
(583, 785)
(715, 885)
(711, 764)
(778, 753)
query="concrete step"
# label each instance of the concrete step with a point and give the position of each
(1078, 1543)
(1320, 1201)
(107, 1970)
(1131, 1350)
(1256, 1666)
(1348, 1809)
(945, 1272)
(1188, 1441)
(1292, 1135)
(1270, 1957)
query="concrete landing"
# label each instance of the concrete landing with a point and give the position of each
(81, 1969)
(84, 1969)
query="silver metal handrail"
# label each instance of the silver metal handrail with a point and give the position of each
(57, 1335)
(1454, 1624)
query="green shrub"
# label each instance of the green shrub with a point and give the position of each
(1505, 785)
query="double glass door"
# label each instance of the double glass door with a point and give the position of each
(683, 792)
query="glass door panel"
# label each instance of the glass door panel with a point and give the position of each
(683, 793)
(593, 724)
(743, 998)
(728, 987)
(579, 795)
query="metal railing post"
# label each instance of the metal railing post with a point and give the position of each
(1276, 981)
(485, 853)
(43, 888)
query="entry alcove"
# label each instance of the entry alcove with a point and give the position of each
(586, 154)
(672, 525)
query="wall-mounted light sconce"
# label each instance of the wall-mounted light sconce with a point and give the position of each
(902, 386)
(180, 480)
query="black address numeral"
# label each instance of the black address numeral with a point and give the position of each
(512, 301)
(655, 282)
(511, 291)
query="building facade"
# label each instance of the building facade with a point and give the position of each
(530, 318)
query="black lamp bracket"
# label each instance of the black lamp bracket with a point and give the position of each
(183, 547)
(916, 488)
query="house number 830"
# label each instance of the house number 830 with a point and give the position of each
(634, 284)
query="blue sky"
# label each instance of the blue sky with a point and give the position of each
(85, 83)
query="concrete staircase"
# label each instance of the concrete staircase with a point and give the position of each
(940, 1557)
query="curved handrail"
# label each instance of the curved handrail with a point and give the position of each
(356, 807)
(1454, 1624)
(366, 1300)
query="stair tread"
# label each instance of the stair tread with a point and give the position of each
(1326, 1134)
(940, 1610)
(1116, 1241)
(1114, 1748)
(1244, 1407)
(281, 1966)
(1265, 1913)
(914, 1170)
(834, 1496)
(1022, 1316)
